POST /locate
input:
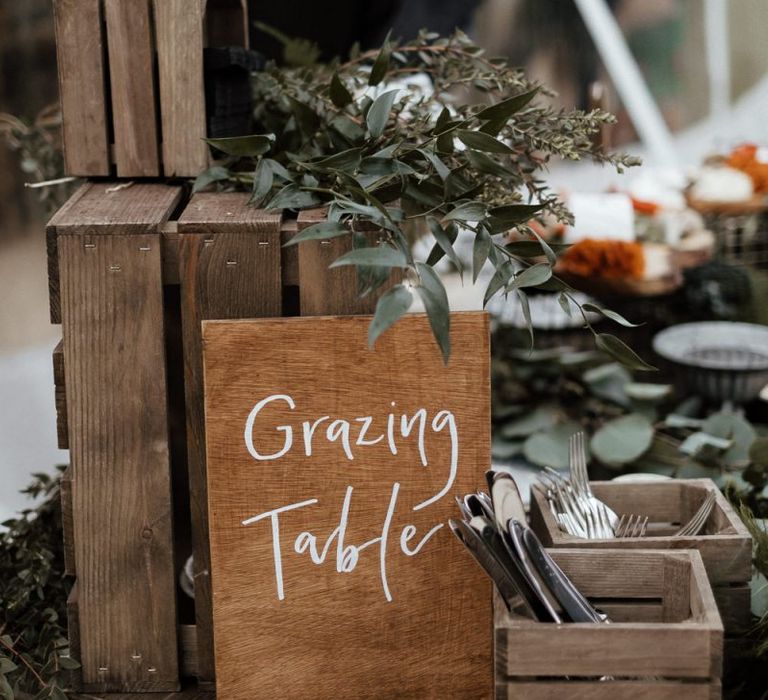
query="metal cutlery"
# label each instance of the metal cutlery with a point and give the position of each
(700, 517)
(527, 578)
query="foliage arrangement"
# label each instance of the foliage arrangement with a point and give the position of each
(543, 397)
(365, 139)
(34, 651)
(37, 143)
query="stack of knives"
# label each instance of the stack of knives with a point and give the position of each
(530, 582)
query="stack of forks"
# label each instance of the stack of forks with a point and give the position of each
(580, 514)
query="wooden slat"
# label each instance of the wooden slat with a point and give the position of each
(622, 649)
(677, 589)
(112, 319)
(52, 253)
(326, 291)
(229, 268)
(131, 76)
(179, 37)
(82, 91)
(596, 690)
(67, 522)
(60, 396)
(192, 693)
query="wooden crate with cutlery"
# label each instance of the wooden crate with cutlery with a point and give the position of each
(664, 641)
(722, 540)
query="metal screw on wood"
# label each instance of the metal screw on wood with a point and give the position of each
(231, 263)
(89, 245)
(115, 268)
(151, 669)
(325, 243)
(144, 248)
(136, 657)
(263, 242)
(208, 241)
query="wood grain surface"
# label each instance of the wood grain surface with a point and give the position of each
(179, 39)
(132, 87)
(651, 653)
(112, 323)
(229, 268)
(82, 88)
(336, 635)
(324, 290)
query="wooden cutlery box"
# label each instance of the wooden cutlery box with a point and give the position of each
(664, 641)
(725, 544)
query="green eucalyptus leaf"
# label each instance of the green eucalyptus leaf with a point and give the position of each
(486, 164)
(375, 165)
(380, 256)
(617, 349)
(444, 241)
(435, 300)
(526, 307)
(338, 92)
(622, 440)
(734, 427)
(263, 179)
(253, 145)
(565, 303)
(468, 211)
(349, 129)
(6, 665)
(440, 168)
(531, 249)
(540, 418)
(505, 449)
(640, 391)
(482, 142)
(618, 318)
(345, 160)
(206, 178)
(6, 692)
(378, 114)
(380, 67)
(390, 308)
(531, 276)
(321, 231)
(438, 250)
(306, 118)
(674, 420)
(293, 197)
(480, 250)
(439, 320)
(695, 442)
(506, 108)
(549, 448)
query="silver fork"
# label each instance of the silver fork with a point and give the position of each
(631, 526)
(699, 519)
(577, 454)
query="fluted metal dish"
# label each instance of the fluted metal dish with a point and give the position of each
(720, 360)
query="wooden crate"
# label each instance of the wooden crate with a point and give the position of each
(131, 82)
(665, 640)
(725, 545)
(132, 273)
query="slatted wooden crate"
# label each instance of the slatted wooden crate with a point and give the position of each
(131, 82)
(132, 273)
(725, 545)
(664, 641)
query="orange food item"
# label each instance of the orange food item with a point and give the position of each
(642, 206)
(744, 158)
(610, 259)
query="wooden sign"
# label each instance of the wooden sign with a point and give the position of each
(332, 471)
